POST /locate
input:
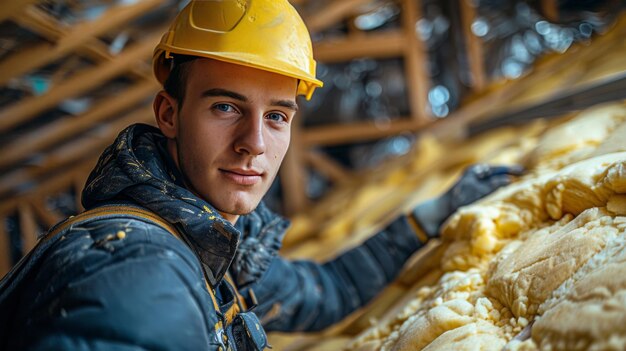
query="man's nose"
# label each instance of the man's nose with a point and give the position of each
(250, 139)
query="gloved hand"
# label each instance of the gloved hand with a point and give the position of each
(476, 182)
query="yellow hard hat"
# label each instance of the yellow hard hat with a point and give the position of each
(263, 34)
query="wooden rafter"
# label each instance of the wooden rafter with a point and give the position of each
(386, 44)
(5, 248)
(48, 27)
(334, 12)
(50, 186)
(327, 166)
(361, 131)
(475, 52)
(79, 83)
(79, 35)
(78, 184)
(64, 128)
(550, 9)
(9, 8)
(293, 175)
(74, 151)
(47, 216)
(415, 59)
(28, 227)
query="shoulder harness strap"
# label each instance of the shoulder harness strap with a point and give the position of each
(152, 217)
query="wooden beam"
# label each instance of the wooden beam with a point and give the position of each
(29, 229)
(327, 166)
(9, 8)
(81, 82)
(73, 151)
(48, 216)
(415, 61)
(79, 184)
(5, 248)
(49, 186)
(41, 23)
(79, 35)
(65, 128)
(550, 9)
(293, 175)
(357, 132)
(332, 13)
(385, 44)
(473, 45)
(50, 28)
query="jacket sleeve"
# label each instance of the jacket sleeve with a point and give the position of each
(139, 293)
(307, 296)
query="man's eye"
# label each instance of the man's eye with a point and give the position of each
(278, 117)
(224, 107)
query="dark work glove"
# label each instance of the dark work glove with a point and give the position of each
(476, 182)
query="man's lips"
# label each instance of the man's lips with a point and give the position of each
(243, 176)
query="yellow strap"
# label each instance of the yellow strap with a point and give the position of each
(241, 301)
(239, 304)
(112, 210)
(136, 212)
(421, 234)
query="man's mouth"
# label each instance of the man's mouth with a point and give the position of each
(242, 176)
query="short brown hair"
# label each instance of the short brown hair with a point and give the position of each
(177, 80)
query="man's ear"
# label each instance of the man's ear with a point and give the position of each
(165, 111)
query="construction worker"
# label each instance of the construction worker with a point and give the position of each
(176, 251)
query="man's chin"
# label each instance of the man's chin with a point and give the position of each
(239, 208)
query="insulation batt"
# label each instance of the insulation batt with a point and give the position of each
(542, 254)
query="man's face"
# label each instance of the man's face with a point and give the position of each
(232, 133)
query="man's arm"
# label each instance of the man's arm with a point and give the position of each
(302, 295)
(306, 296)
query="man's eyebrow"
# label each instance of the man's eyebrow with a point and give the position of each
(290, 104)
(224, 92)
(285, 103)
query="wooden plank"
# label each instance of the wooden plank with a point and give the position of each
(79, 184)
(49, 186)
(48, 27)
(327, 166)
(49, 217)
(355, 132)
(28, 108)
(9, 8)
(293, 175)
(41, 23)
(415, 59)
(332, 13)
(73, 151)
(65, 128)
(386, 44)
(5, 248)
(550, 9)
(474, 46)
(79, 35)
(28, 227)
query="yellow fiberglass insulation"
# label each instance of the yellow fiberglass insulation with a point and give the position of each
(537, 265)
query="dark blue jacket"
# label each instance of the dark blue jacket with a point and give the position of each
(90, 288)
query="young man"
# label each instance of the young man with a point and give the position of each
(176, 250)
